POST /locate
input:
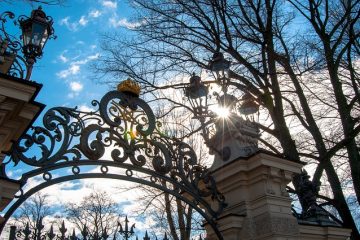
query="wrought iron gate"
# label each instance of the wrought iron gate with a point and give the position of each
(125, 127)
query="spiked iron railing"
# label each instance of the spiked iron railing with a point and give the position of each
(62, 233)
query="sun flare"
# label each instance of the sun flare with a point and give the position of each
(221, 112)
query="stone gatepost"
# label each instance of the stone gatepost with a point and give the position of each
(259, 206)
(253, 183)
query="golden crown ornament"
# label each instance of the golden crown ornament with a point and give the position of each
(129, 86)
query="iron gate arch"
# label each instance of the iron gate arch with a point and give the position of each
(125, 125)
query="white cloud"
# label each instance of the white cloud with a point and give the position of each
(95, 13)
(63, 58)
(93, 57)
(76, 86)
(87, 59)
(109, 4)
(123, 23)
(83, 21)
(64, 21)
(72, 70)
(75, 68)
(85, 108)
(72, 26)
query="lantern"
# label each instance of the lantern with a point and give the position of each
(220, 66)
(227, 101)
(248, 106)
(197, 94)
(36, 30)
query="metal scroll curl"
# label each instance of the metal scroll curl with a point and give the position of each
(120, 132)
(10, 47)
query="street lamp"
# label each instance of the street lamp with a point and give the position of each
(220, 66)
(36, 30)
(197, 93)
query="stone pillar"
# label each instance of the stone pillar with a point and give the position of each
(258, 204)
(254, 184)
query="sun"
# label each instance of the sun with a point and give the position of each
(221, 111)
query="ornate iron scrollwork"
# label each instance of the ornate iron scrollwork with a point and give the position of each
(9, 48)
(121, 132)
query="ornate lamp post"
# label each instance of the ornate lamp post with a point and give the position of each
(197, 93)
(36, 30)
(241, 120)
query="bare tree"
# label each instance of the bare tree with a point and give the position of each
(171, 215)
(33, 211)
(305, 79)
(97, 214)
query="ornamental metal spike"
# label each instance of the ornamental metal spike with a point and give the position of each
(73, 236)
(165, 237)
(12, 234)
(63, 230)
(146, 236)
(51, 234)
(105, 234)
(39, 225)
(84, 232)
(96, 236)
(27, 231)
(121, 229)
(132, 229)
(126, 233)
(126, 224)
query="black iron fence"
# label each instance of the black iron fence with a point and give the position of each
(39, 232)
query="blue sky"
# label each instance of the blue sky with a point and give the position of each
(64, 68)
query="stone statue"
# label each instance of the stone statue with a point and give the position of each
(307, 192)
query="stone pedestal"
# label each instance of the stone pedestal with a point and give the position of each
(259, 206)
